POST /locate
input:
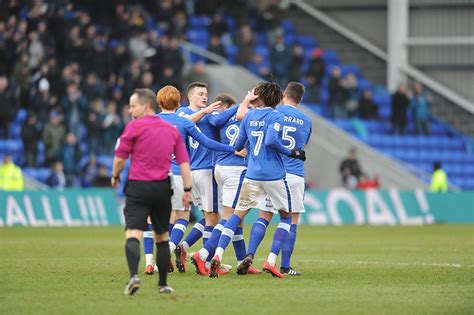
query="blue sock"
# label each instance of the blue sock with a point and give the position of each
(257, 234)
(148, 241)
(280, 234)
(207, 234)
(178, 230)
(228, 231)
(288, 246)
(211, 244)
(239, 244)
(170, 228)
(196, 233)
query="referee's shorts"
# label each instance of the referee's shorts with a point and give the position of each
(145, 199)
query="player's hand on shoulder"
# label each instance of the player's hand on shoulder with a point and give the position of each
(214, 106)
(298, 154)
(242, 153)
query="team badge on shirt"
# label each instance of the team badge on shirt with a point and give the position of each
(277, 126)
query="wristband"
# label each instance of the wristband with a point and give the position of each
(115, 177)
(188, 189)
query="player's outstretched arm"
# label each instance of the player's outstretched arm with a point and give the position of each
(208, 142)
(196, 117)
(217, 119)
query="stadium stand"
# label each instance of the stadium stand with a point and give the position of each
(125, 68)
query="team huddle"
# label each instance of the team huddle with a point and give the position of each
(241, 157)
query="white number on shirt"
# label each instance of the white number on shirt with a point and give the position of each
(193, 143)
(258, 145)
(289, 138)
(232, 133)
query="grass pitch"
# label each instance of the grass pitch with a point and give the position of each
(409, 270)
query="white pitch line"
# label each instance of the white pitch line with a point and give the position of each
(362, 262)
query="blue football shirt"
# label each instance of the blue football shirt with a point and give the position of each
(295, 135)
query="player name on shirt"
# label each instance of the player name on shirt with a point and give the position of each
(294, 120)
(257, 123)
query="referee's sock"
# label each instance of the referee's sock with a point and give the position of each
(194, 235)
(288, 246)
(132, 252)
(280, 234)
(163, 257)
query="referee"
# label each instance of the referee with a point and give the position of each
(151, 142)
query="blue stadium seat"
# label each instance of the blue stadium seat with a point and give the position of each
(307, 41)
(21, 116)
(261, 39)
(198, 36)
(197, 22)
(354, 69)
(288, 27)
(330, 57)
(232, 51)
(262, 50)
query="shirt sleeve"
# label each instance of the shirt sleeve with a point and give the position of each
(217, 119)
(124, 145)
(197, 135)
(242, 138)
(180, 152)
(272, 138)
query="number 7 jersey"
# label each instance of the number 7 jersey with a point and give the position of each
(262, 127)
(295, 134)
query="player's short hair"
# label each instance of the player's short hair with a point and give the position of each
(168, 97)
(146, 96)
(194, 85)
(269, 93)
(294, 91)
(226, 99)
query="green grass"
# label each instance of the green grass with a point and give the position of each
(409, 270)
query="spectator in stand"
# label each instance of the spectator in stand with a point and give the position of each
(8, 104)
(89, 172)
(74, 106)
(420, 104)
(337, 94)
(22, 76)
(43, 102)
(259, 67)
(245, 39)
(314, 75)
(271, 15)
(71, 155)
(216, 47)
(36, 51)
(103, 177)
(350, 167)
(94, 87)
(11, 176)
(180, 24)
(112, 126)
(400, 102)
(219, 28)
(280, 60)
(148, 81)
(94, 123)
(296, 63)
(365, 182)
(367, 108)
(439, 179)
(57, 179)
(54, 134)
(30, 134)
(125, 116)
(353, 94)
